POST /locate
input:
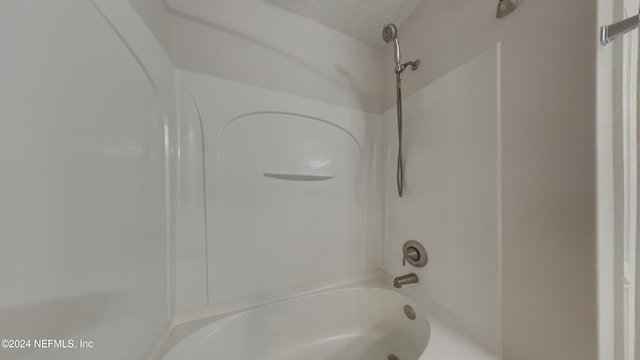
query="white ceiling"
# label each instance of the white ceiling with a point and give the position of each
(361, 19)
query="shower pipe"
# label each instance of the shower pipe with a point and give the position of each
(389, 34)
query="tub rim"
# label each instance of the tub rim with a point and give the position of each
(374, 280)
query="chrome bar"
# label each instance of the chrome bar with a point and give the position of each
(611, 32)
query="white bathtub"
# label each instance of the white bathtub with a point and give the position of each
(358, 323)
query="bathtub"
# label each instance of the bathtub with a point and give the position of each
(354, 318)
(356, 323)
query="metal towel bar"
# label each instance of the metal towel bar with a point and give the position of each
(611, 32)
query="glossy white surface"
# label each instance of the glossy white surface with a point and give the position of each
(451, 196)
(329, 308)
(274, 233)
(83, 217)
(346, 324)
(549, 139)
(191, 249)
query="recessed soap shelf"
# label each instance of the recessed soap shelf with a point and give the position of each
(298, 177)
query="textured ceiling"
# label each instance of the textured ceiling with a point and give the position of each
(361, 19)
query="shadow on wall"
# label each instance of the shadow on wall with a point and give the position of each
(342, 78)
(353, 84)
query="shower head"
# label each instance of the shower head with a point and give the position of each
(389, 33)
(506, 7)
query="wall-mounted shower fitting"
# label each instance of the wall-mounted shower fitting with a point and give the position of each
(399, 281)
(506, 7)
(389, 34)
(414, 253)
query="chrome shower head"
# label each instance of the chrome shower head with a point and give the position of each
(389, 33)
(506, 7)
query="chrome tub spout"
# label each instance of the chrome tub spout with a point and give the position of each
(405, 280)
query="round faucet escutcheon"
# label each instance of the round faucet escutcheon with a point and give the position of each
(415, 254)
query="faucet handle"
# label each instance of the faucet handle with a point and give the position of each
(410, 254)
(414, 253)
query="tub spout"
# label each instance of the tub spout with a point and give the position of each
(405, 280)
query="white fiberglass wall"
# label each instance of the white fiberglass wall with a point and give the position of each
(83, 217)
(236, 58)
(450, 205)
(291, 190)
(548, 133)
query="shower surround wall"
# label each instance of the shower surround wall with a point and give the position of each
(84, 218)
(548, 146)
(547, 183)
(229, 64)
(450, 205)
(267, 233)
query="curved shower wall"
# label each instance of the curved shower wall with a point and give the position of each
(291, 190)
(329, 78)
(286, 204)
(84, 223)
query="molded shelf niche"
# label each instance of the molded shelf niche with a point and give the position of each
(298, 177)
